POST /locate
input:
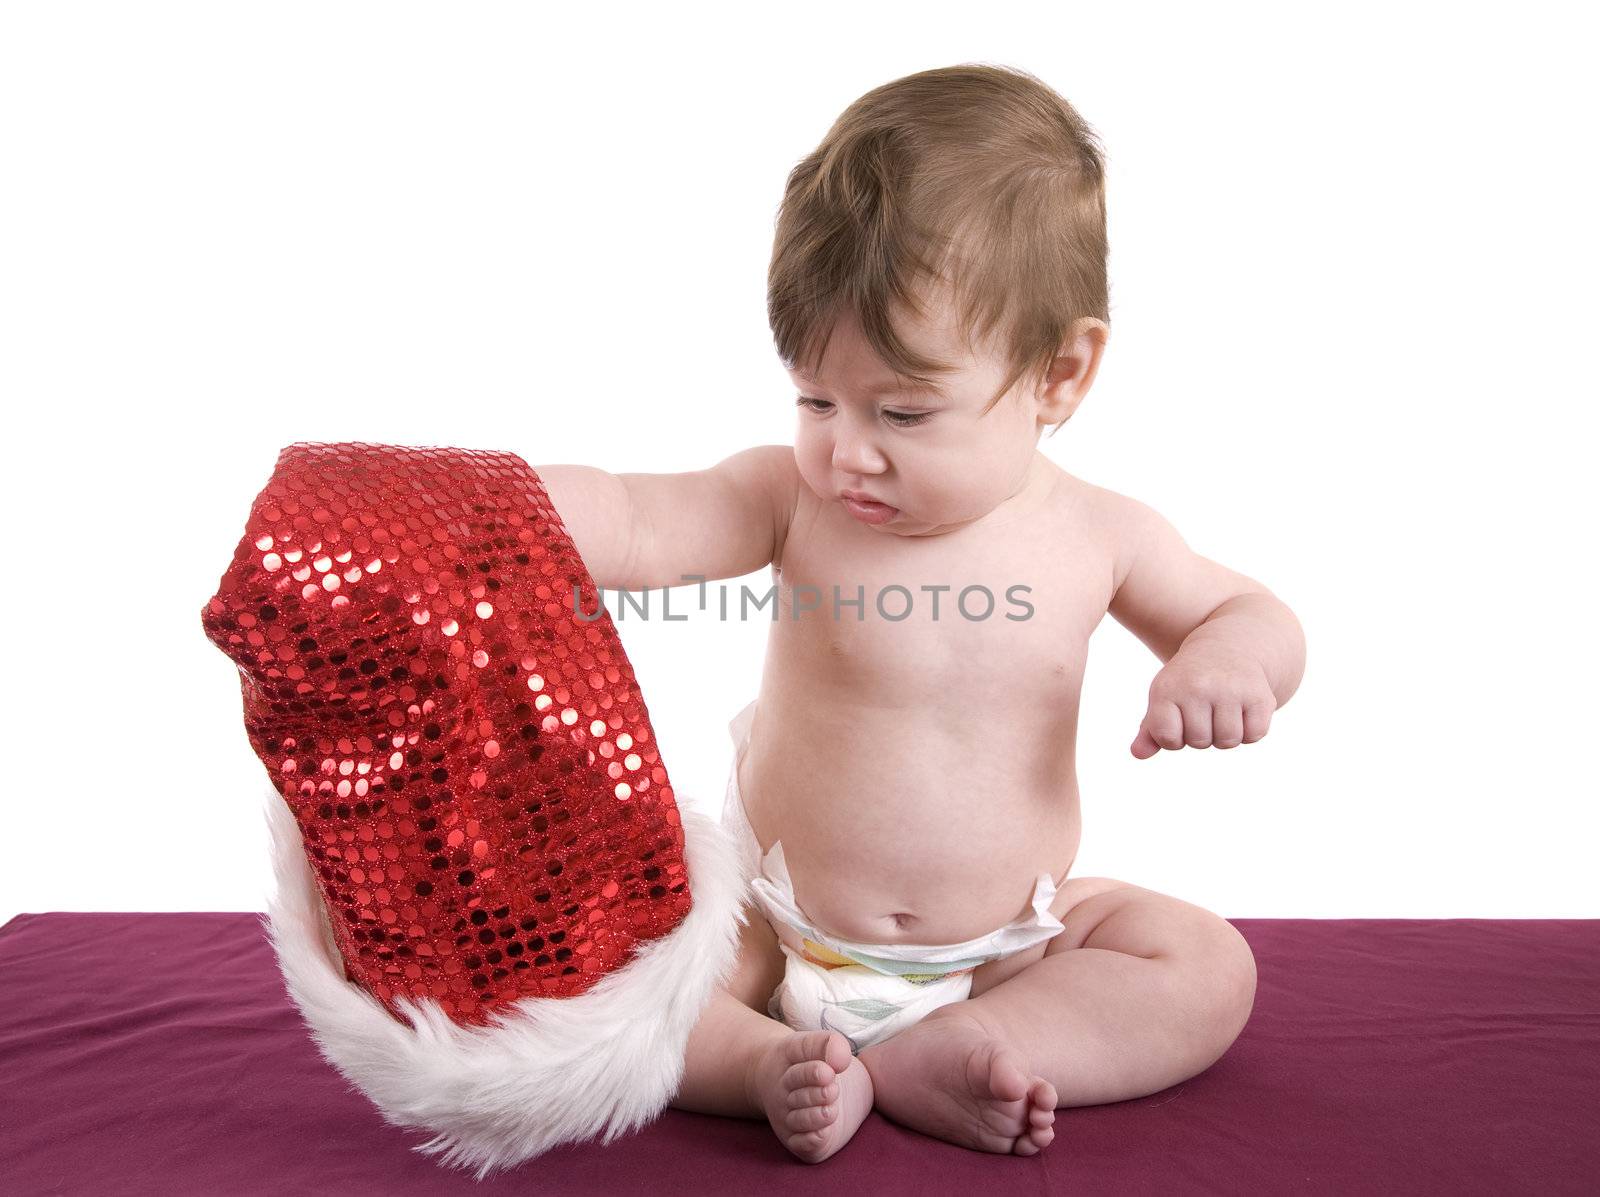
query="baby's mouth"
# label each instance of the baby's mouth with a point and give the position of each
(869, 512)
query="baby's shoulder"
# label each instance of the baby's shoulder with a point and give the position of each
(785, 490)
(1122, 529)
(1099, 511)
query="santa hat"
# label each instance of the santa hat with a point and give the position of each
(491, 912)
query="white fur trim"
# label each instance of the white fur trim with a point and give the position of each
(555, 1070)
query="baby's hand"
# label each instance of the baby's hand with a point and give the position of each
(1207, 696)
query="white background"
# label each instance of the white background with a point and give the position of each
(1353, 304)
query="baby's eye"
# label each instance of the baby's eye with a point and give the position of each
(900, 419)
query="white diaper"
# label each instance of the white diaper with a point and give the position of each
(866, 992)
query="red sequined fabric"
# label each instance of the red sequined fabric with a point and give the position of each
(459, 734)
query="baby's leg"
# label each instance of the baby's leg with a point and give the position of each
(734, 1031)
(742, 1064)
(1140, 991)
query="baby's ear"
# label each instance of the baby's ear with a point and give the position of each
(1059, 394)
(1073, 369)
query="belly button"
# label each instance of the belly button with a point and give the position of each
(901, 921)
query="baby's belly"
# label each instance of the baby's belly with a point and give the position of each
(895, 838)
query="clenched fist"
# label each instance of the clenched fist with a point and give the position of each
(1207, 696)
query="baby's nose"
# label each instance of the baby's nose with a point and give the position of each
(856, 455)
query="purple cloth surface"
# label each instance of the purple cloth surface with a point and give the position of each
(158, 1053)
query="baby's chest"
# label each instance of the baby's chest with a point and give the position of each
(972, 622)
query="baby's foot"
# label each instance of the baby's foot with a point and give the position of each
(814, 1092)
(948, 1076)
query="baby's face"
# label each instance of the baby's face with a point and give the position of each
(927, 453)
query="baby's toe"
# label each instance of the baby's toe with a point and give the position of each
(1041, 1118)
(808, 1144)
(808, 1074)
(1035, 1141)
(996, 1072)
(836, 1052)
(1043, 1095)
(812, 1118)
(812, 1095)
(826, 1047)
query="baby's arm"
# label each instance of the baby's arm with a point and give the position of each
(1234, 652)
(643, 531)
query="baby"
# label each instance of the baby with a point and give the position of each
(904, 786)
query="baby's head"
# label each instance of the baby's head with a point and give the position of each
(938, 292)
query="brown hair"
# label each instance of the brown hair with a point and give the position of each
(976, 177)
